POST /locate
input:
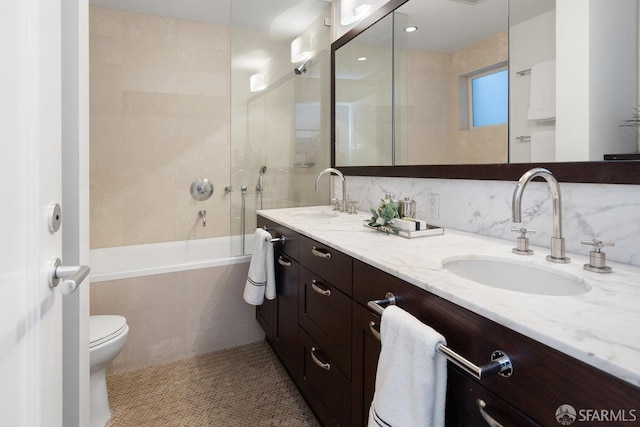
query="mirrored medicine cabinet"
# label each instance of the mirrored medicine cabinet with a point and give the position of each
(406, 104)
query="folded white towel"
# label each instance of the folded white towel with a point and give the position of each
(261, 280)
(542, 92)
(543, 146)
(411, 380)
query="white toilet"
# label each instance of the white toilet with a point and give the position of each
(107, 335)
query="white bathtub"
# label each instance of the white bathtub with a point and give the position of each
(157, 258)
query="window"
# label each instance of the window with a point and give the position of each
(483, 97)
(489, 98)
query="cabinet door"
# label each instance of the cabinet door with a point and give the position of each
(286, 328)
(266, 316)
(463, 399)
(324, 386)
(366, 350)
(325, 313)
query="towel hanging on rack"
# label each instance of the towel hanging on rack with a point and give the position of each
(411, 379)
(261, 280)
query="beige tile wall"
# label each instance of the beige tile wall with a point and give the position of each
(177, 315)
(432, 115)
(159, 104)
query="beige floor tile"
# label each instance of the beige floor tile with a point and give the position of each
(242, 386)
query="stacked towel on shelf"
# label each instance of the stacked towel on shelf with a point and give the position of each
(542, 92)
(411, 379)
(543, 146)
(261, 280)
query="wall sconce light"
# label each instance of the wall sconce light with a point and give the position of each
(301, 49)
(352, 11)
(257, 83)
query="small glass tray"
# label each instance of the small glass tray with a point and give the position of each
(431, 230)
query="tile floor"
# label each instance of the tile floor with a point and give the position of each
(243, 386)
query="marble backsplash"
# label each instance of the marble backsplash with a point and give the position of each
(589, 211)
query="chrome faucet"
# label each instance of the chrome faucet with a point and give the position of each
(343, 207)
(557, 241)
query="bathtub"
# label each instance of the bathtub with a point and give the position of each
(143, 260)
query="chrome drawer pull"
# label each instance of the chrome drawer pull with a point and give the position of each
(318, 361)
(488, 418)
(284, 262)
(321, 253)
(318, 289)
(374, 331)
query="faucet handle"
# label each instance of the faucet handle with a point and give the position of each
(522, 241)
(597, 258)
(522, 230)
(597, 244)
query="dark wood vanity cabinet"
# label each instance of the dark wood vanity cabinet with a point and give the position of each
(324, 316)
(543, 378)
(320, 328)
(279, 317)
(366, 350)
(309, 323)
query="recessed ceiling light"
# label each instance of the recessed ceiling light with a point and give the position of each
(362, 58)
(411, 29)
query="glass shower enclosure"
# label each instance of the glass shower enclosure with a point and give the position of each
(280, 95)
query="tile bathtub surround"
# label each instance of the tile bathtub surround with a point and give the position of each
(177, 315)
(159, 113)
(589, 211)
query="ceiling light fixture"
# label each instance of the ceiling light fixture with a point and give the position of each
(362, 58)
(257, 83)
(411, 29)
(352, 11)
(301, 49)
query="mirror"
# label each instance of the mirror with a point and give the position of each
(421, 145)
(420, 111)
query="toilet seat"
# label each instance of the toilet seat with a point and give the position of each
(105, 328)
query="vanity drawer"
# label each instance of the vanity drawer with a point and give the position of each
(325, 313)
(331, 265)
(322, 382)
(291, 246)
(463, 406)
(543, 378)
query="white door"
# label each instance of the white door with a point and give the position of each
(30, 127)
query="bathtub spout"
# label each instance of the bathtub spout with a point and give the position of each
(203, 215)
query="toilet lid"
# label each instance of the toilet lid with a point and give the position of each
(103, 328)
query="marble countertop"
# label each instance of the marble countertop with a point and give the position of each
(600, 327)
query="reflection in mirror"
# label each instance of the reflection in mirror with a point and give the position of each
(595, 48)
(574, 79)
(428, 103)
(363, 98)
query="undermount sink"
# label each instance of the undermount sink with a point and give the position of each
(516, 276)
(315, 214)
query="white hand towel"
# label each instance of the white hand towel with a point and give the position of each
(261, 280)
(543, 146)
(411, 380)
(542, 92)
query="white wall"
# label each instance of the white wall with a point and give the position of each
(531, 42)
(596, 83)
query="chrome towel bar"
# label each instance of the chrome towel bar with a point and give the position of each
(500, 362)
(282, 239)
